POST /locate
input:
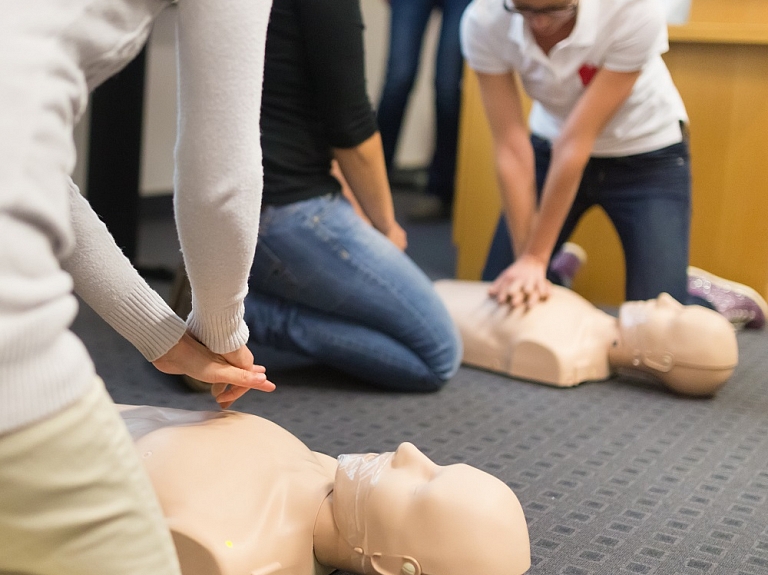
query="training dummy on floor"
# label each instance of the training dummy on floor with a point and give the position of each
(243, 496)
(565, 340)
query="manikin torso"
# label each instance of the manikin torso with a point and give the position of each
(261, 517)
(562, 342)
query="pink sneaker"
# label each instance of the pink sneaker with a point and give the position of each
(567, 261)
(740, 304)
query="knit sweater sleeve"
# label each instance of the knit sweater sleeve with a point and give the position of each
(219, 176)
(107, 282)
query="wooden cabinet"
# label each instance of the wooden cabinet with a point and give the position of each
(719, 61)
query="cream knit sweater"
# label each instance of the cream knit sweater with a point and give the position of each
(52, 52)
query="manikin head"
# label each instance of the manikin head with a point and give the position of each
(690, 348)
(402, 514)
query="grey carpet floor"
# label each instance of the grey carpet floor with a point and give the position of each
(614, 477)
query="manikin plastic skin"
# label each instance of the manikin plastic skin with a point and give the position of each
(566, 340)
(243, 496)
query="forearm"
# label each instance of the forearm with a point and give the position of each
(364, 169)
(569, 158)
(218, 159)
(107, 282)
(513, 153)
(516, 177)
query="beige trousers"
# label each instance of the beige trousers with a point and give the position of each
(75, 499)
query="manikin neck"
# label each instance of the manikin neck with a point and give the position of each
(330, 547)
(627, 349)
(629, 352)
(621, 354)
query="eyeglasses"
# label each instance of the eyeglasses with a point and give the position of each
(553, 11)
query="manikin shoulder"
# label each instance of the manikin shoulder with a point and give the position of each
(240, 494)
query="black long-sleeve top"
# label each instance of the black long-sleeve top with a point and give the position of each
(314, 96)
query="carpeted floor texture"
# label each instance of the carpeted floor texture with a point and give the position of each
(614, 477)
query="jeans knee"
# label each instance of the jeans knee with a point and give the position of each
(438, 368)
(429, 385)
(448, 358)
(429, 382)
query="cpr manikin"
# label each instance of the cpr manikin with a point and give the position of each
(242, 496)
(566, 340)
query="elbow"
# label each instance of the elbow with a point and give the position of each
(571, 152)
(515, 156)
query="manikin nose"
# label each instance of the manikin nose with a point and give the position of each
(667, 299)
(408, 455)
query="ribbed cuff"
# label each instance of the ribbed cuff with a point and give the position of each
(220, 332)
(144, 319)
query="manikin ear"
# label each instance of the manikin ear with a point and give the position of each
(660, 361)
(395, 565)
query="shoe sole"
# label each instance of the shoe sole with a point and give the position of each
(735, 287)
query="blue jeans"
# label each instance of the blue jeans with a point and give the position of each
(327, 285)
(408, 22)
(648, 199)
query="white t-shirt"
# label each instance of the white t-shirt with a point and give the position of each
(618, 35)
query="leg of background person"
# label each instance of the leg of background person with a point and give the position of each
(648, 199)
(327, 284)
(349, 347)
(408, 22)
(448, 73)
(76, 500)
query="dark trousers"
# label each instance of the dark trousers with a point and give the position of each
(409, 19)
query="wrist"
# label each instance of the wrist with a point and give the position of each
(386, 225)
(221, 332)
(532, 257)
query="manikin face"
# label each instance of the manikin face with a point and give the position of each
(662, 333)
(545, 17)
(401, 507)
(646, 326)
